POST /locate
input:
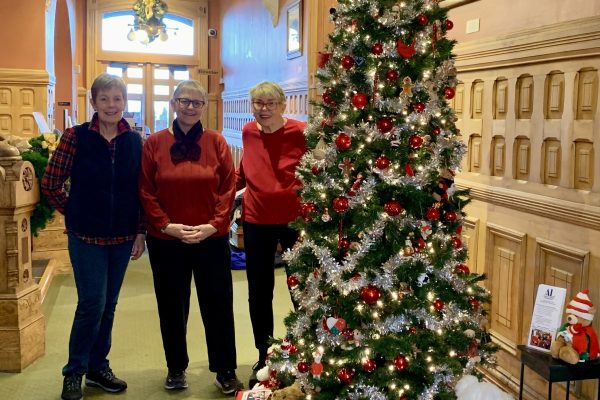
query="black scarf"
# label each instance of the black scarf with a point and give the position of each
(186, 146)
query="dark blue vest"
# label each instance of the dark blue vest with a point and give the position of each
(103, 198)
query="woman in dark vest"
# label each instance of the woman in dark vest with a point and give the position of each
(102, 212)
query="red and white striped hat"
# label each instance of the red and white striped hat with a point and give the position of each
(581, 306)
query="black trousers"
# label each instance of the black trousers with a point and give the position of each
(173, 264)
(260, 244)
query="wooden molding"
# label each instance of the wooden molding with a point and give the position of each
(584, 215)
(455, 3)
(26, 77)
(563, 41)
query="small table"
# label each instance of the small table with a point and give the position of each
(556, 370)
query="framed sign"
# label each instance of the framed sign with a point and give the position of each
(294, 30)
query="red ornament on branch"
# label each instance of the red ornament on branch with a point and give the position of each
(392, 208)
(377, 49)
(436, 130)
(419, 107)
(303, 367)
(449, 25)
(450, 216)
(369, 365)
(408, 170)
(438, 304)
(344, 244)
(292, 282)
(401, 362)
(419, 244)
(432, 214)
(449, 93)
(422, 19)
(382, 162)
(359, 100)
(340, 204)
(385, 124)
(347, 62)
(370, 294)
(343, 141)
(462, 269)
(392, 75)
(327, 98)
(456, 242)
(345, 375)
(323, 59)
(415, 141)
(474, 303)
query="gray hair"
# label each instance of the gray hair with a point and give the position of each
(106, 81)
(191, 86)
(267, 89)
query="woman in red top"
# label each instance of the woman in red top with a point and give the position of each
(273, 146)
(187, 185)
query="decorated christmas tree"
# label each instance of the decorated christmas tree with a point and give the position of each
(386, 306)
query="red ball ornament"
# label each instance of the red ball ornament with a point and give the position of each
(415, 141)
(348, 334)
(419, 107)
(436, 130)
(370, 294)
(306, 209)
(293, 349)
(344, 244)
(315, 170)
(343, 141)
(347, 62)
(450, 216)
(377, 49)
(474, 303)
(449, 25)
(432, 214)
(419, 244)
(382, 162)
(292, 282)
(456, 242)
(340, 204)
(403, 397)
(392, 75)
(327, 98)
(323, 59)
(462, 269)
(359, 100)
(423, 20)
(392, 208)
(346, 375)
(449, 93)
(459, 229)
(385, 124)
(369, 365)
(303, 367)
(401, 362)
(412, 330)
(438, 304)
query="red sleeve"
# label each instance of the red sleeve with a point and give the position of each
(155, 216)
(226, 191)
(240, 176)
(58, 171)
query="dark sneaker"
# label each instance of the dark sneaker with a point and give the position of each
(71, 388)
(228, 382)
(255, 368)
(176, 380)
(105, 380)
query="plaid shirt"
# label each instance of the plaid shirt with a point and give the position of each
(58, 171)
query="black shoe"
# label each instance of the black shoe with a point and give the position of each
(228, 382)
(105, 380)
(176, 380)
(71, 388)
(255, 368)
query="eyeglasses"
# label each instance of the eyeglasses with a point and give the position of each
(269, 105)
(185, 103)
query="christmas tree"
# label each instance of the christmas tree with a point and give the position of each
(386, 306)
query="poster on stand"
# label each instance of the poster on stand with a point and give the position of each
(547, 316)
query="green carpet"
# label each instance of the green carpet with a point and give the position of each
(137, 355)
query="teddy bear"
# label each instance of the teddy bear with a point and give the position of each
(576, 341)
(293, 392)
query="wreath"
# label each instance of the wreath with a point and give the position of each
(147, 9)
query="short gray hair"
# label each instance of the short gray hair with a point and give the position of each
(267, 89)
(192, 86)
(106, 81)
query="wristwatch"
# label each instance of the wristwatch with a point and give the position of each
(164, 228)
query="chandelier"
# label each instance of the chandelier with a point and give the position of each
(148, 24)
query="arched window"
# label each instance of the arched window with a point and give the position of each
(117, 28)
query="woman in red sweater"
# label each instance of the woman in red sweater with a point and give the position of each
(187, 185)
(273, 146)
